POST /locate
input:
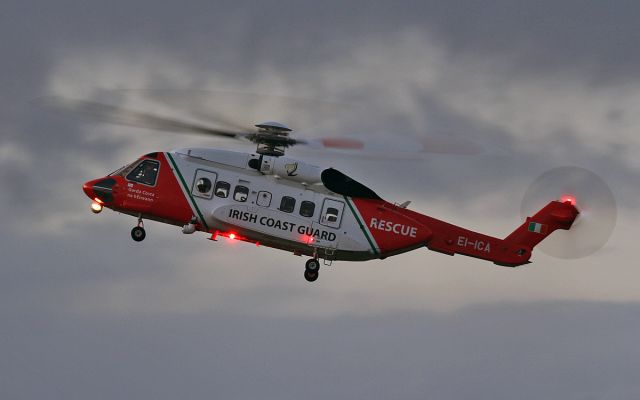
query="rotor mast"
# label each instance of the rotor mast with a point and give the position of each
(272, 138)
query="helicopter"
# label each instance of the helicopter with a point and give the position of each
(267, 199)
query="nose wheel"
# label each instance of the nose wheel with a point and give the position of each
(312, 270)
(138, 233)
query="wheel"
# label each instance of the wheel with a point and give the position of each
(138, 234)
(312, 265)
(310, 276)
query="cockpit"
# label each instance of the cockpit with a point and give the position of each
(146, 173)
(141, 171)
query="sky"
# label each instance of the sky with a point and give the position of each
(88, 313)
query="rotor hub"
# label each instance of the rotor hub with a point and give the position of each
(274, 127)
(272, 138)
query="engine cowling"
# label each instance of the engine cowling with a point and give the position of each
(290, 169)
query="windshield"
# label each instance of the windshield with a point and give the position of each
(119, 170)
(146, 172)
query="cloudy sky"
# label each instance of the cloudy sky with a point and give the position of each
(87, 313)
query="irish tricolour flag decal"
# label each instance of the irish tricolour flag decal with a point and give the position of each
(537, 228)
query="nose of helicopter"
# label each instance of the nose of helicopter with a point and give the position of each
(87, 188)
(101, 189)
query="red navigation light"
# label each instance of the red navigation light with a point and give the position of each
(568, 199)
(232, 235)
(308, 239)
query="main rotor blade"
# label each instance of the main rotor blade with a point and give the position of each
(211, 103)
(121, 116)
(241, 110)
(400, 145)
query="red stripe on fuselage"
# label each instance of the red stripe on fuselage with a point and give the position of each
(172, 203)
(391, 229)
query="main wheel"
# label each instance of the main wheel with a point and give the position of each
(138, 234)
(310, 276)
(312, 265)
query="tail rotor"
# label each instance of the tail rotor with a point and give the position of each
(593, 199)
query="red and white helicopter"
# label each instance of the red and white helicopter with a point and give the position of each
(270, 200)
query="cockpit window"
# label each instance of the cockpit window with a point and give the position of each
(146, 173)
(118, 171)
(124, 170)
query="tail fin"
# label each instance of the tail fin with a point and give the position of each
(555, 215)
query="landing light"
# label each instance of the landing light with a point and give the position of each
(96, 207)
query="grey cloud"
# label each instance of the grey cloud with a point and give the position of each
(513, 161)
(545, 350)
(541, 35)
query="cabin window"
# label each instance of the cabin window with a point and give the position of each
(307, 208)
(287, 204)
(222, 189)
(332, 214)
(264, 199)
(146, 173)
(241, 193)
(204, 185)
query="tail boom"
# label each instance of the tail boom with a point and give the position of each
(514, 250)
(392, 230)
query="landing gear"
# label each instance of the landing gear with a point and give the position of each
(138, 233)
(312, 270)
(310, 276)
(312, 265)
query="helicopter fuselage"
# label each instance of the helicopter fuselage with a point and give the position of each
(294, 206)
(280, 203)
